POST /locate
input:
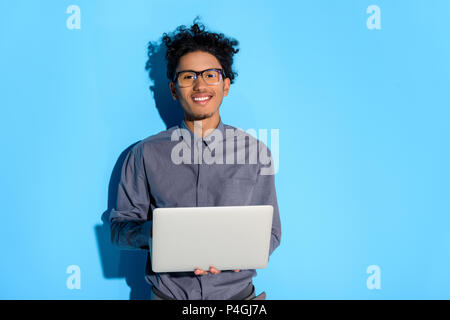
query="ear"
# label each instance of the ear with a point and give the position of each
(173, 90)
(226, 86)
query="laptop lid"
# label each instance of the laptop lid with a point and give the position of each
(227, 237)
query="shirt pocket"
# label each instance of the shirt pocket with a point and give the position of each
(232, 192)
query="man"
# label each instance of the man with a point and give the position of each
(200, 72)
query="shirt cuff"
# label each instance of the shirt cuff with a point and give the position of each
(146, 240)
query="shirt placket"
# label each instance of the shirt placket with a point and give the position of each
(202, 201)
(201, 172)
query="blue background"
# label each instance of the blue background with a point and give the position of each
(364, 139)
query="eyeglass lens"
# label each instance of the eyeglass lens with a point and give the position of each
(187, 78)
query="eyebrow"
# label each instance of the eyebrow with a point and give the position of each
(218, 68)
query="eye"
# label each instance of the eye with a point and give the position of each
(211, 74)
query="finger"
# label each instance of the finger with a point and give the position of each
(214, 270)
(200, 272)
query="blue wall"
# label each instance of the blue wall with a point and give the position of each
(363, 116)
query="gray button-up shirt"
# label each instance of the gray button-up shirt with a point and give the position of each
(177, 168)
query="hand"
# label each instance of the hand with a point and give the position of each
(212, 270)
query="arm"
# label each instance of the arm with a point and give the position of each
(130, 219)
(265, 194)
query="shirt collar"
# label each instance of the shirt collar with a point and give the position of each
(206, 140)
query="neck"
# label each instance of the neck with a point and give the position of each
(200, 127)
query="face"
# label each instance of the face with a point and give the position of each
(188, 96)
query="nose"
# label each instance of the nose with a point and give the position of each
(199, 83)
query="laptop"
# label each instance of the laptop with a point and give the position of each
(227, 237)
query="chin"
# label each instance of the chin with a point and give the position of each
(197, 116)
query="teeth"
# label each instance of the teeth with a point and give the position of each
(201, 99)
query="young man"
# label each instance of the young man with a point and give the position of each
(199, 67)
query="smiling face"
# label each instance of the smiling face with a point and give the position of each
(200, 101)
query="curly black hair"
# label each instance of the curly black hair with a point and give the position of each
(184, 40)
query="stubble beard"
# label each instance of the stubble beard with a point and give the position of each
(198, 117)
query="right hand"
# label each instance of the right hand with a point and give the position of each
(200, 272)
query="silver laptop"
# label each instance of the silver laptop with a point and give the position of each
(228, 238)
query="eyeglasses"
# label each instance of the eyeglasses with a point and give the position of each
(186, 78)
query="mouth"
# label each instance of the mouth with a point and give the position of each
(201, 99)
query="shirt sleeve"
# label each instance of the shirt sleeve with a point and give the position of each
(265, 194)
(130, 218)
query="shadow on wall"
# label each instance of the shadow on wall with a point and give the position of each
(130, 264)
(169, 110)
